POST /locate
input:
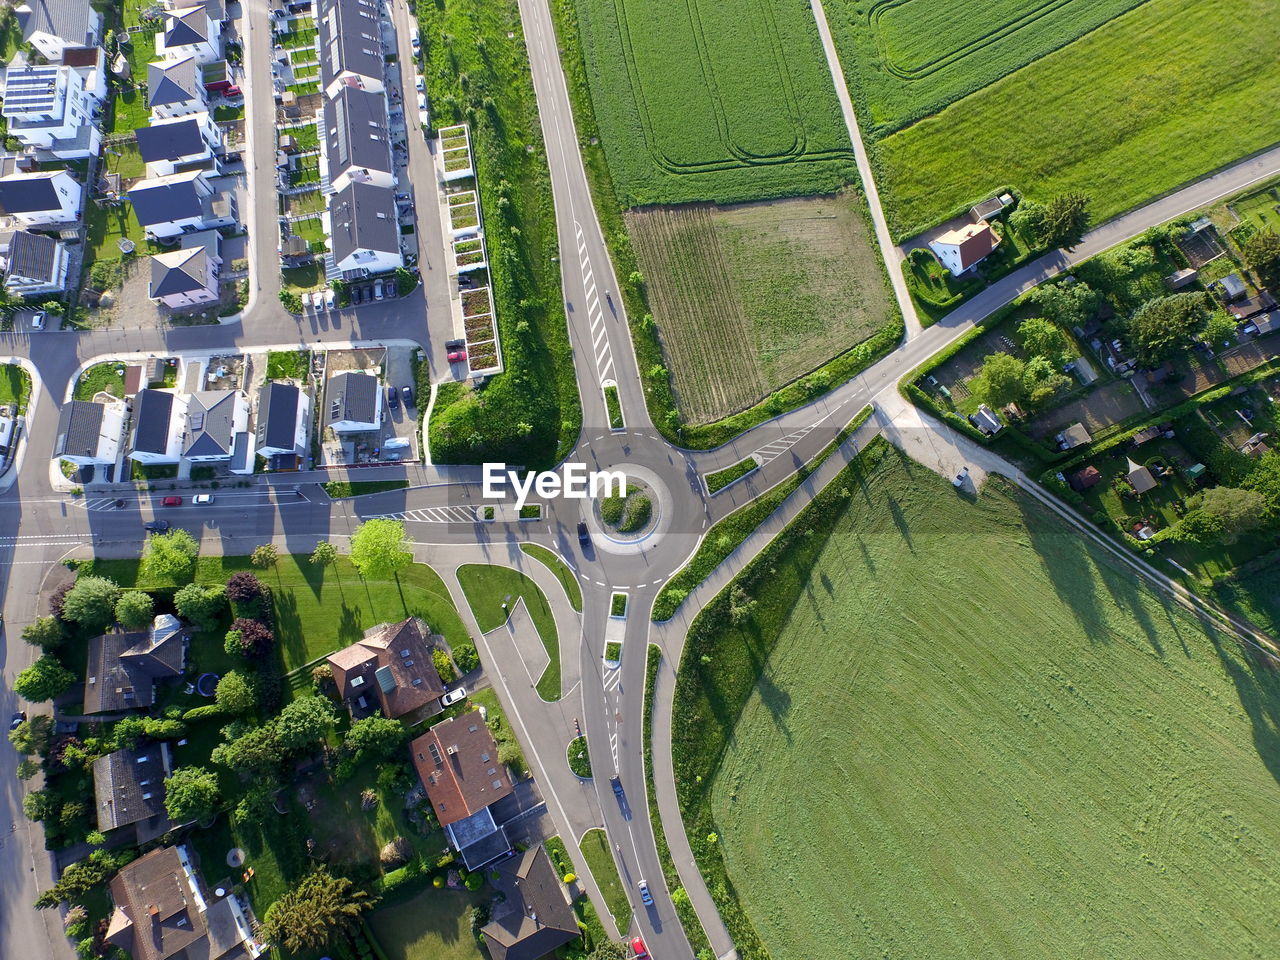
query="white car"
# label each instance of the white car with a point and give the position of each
(420, 84)
(202, 498)
(37, 321)
(329, 299)
(453, 696)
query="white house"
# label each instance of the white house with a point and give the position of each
(191, 31)
(89, 432)
(48, 108)
(364, 229)
(34, 264)
(179, 143)
(963, 249)
(188, 277)
(356, 139)
(284, 413)
(353, 402)
(175, 88)
(53, 25)
(158, 422)
(177, 204)
(40, 199)
(350, 45)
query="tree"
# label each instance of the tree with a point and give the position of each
(135, 610)
(39, 805)
(249, 638)
(1062, 222)
(190, 793)
(1220, 329)
(1001, 379)
(235, 693)
(1066, 304)
(1265, 479)
(43, 680)
(465, 656)
(1042, 382)
(324, 554)
(171, 555)
(319, 909)
(81, 877)
(378, 548)
(257, 803)
(1221, 515)
(32, 736)
(264, 556)
(45, 633)
(1163, 328)
(375, 736)
(244, 587)
(256, 751)
(91, 602)
(304, 722)
(1262, 256)
(199, 605)
(1043, 338)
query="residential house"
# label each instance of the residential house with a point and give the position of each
(179, 143)
(40, 199)
(48, 108)
(89, 432)
(182, 203)
(128, 790)
(284, 415)
(1074, 436)
(457, 761)
(534, 917)
(188, 277)
(350, 45)
(390, 667)
(164, 911)
(364, 229)
(357, 141)
(193, 30)
(53, 25)
(354, 402)
(158, 426)
(175, 88)
(962, 249)
(124, 667)
(986, 421)
(214, 420)
(1139, 478)
(34, 264)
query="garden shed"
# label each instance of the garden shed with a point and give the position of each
(1140, 478)
(1084, 479)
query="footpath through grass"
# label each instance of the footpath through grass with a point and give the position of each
(488, 587)
(595, 849)
(563, 573)
(1025, 751)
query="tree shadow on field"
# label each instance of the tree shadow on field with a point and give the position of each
(1256, 676)
(900, 521)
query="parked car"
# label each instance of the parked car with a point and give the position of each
(393, 398)
(421, 85)
(457, 356)
(584, 535)
(355, 295)
(637, 947)
(202, 499)
(171, 502)
(645, 896)
(329, 299)
(453, 696)
(157, 526)
(37, 321)
(407, 392)
(454, 344)
(18, 719)
(377, 289)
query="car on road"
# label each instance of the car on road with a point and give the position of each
(407, 392)
(457, 356)
(393, 398)
(453, 696)
(157, 526)
(638, 948)
(584, 535)
(645, 896)
(37, 321)
(171, 502)
(201, 499)
(616, 783)
(18, 719)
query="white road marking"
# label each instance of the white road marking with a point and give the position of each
(771, 451)
(433, 515)
(595, 315)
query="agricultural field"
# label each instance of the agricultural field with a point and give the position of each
(724, 101)
(1097, 118)
(749, 297)
(1009, 746)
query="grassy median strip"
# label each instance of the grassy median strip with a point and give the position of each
(615, 407)
(341, 489)
(728, 534)
(722, 478)
(579, 758)
(595, 849)
(492, 592)
(561, 569)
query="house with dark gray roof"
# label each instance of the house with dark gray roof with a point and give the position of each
(128, 790)
(179, 143)
(123, 668)
(350, 45)
(175, 88)
(89, 432)
(158, 423)
(213, 418)
(193, 30)
(53, 25)
(364, 229)
(40, 199)
(284, 415)
(353, 402)
(189, 276)
(173, 205)
(357, 141)
(534, 917)
(34, 264)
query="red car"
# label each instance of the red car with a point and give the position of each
(171, 502)
(637, 946)
(457, 356)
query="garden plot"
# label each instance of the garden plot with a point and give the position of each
(750, 297)
(455, 152)
(483, 352)
(469, 253)
(464, 213)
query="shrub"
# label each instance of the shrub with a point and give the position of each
(249, 638)
(200, 606)
(171, 555)
(44, 632)
(244, 587)
(396, 853)
(204, 712)
(264, 556)
(58, 600)
(135, 609)
(235, 693)
(91, 602)
(443, 666)
(465, 656)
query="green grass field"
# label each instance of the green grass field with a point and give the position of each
(431, 925)
(487, 588)
(1132, 110)
(1008, 747)
(595, 848)
(567, 578)
(712, 101)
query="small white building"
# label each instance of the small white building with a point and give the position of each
(175, 88)
(175, 144)
(53, 25)
(89, 432)
(158, 422)
(284, 413)
(191, 31)
(49, 108)
(353, 402)
(963, 249)
(188, 276)
(41, 199)
(987, 421)
(34, 264)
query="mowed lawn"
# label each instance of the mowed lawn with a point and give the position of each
(488, 587)
(722, 101)
(750, 296)
(975, 738)
(1158, 97)
(431, 925)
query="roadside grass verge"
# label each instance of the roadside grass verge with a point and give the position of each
(341, 489)
(579, 757)
(614, 407)
(572, 588)
(595, 850)
(500, 727)
(722, 478)
(15, 386)
(488, 587)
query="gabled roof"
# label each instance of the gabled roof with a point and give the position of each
(352, 396)
(186, 25)
(69, 20)
(391, 664)
(355, 128)
(152, 410)
(973, 241)
(535, 917)
(349, 39)
(173, 81)
(33, 256)
(363, 217)
(30, 192)
(173, 139)
(278, 415)
(210, 429)
(166, 199)
(123, 667)
(179, 271)
(157, 913)
(128, 785)
(457, 761)
(79, 426)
